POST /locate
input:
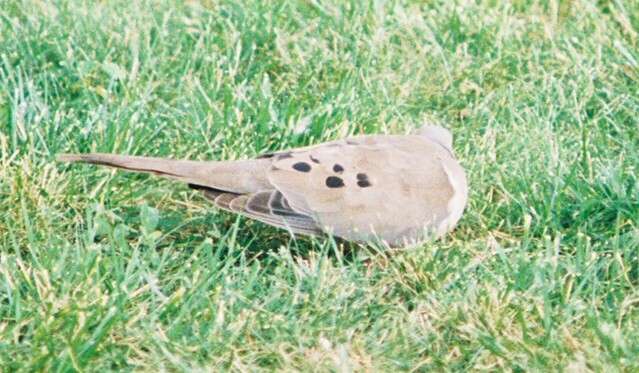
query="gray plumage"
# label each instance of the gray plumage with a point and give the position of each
(398, 189)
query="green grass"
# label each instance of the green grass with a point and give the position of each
(104, 270)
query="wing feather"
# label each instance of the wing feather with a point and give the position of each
(268, 207)
(367, 187)
(260, 205)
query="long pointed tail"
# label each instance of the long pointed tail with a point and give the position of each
(244, 176)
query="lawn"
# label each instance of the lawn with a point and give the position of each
(103, 270)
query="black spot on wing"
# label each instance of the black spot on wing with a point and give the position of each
(334, 182)
(362, 180)
(338, 168)
(315, 160)
(302, 167)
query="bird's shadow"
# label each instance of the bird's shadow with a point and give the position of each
(255, 239)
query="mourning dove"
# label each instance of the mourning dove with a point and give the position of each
(397, 189)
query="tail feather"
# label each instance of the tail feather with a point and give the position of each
(167, 167)
(244, 176)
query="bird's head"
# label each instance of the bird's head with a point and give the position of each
(438, 134)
